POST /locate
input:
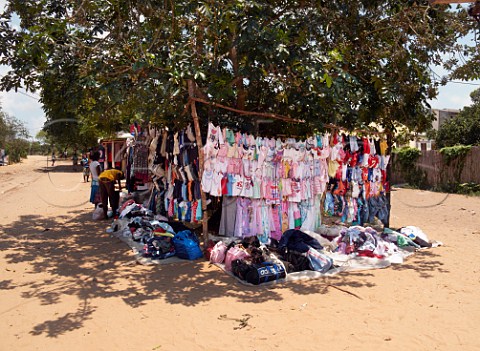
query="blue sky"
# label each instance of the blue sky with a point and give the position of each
(25, 106)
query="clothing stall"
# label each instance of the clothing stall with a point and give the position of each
(271, 185)
(265, 185)
(306, 207)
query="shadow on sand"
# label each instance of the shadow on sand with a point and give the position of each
(83, 261)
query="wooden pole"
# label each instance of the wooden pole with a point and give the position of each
(389, 177)
(201, 158)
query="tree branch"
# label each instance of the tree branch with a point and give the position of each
(249, 113)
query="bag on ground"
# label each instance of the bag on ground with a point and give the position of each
(236, 252)
(318, 261)
(187, 245)
(265, 272)
(218, 252)
(98, 213)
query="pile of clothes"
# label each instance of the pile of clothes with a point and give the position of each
(335, 249)
(153, 236)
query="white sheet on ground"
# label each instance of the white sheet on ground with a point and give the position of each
(343, 263)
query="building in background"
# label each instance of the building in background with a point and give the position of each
(441, 116)
(421, 141)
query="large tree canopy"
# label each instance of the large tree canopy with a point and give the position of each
(104, 63)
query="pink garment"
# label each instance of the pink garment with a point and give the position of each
(286, 187)
(222, 150)
(247, 187)
(276, 226)
(235, 166)
(218, 252)
(238, 137)
(257, 207)
(303, 189)
(317, 186)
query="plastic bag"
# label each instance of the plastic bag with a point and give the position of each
(319, 262)
(218, 252)
(187, 245)
(235, 253)
(98, 213)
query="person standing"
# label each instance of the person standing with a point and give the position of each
(95, 170)
(107, 180)
(53, 158)
(75, 160)
(101, 156)
(86, 167)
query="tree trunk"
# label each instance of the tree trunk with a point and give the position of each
(238, 80)
(201, 159)
(389, 177)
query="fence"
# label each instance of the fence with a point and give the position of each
(438, 174)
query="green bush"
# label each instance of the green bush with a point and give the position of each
(454, 157)
(16, 150)
(407, 158)
(457, 152)
(468, 189)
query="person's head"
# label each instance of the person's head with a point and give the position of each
(122, 175)
(95, 156)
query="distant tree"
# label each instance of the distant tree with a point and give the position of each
(431, 134)
(42, 137)
(11, 128)
(464, 129)
(13, 137)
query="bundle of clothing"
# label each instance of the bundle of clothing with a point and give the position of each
(271, 185)
(160, 238)
(339, 249)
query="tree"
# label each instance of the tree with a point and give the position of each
(107, 63)
(464, 129)
(13, 137)
(11, 128)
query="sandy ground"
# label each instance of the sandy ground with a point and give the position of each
(65, 284)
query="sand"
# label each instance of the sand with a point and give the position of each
(65, 284)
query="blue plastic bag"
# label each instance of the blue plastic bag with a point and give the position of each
(318, 261)
(187, 245)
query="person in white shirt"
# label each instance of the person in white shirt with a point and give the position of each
(95, 170)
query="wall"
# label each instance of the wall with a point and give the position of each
(437, 173)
